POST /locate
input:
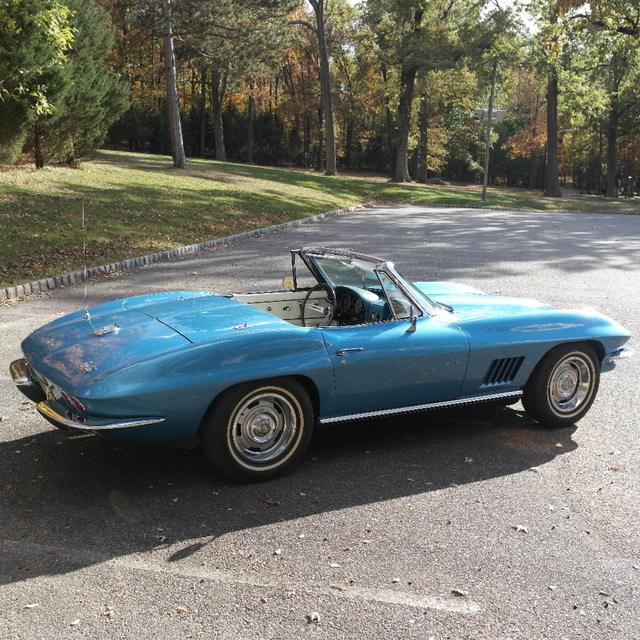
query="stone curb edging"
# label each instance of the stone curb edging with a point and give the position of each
(77, 277)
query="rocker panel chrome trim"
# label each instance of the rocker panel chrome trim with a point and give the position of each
(423, 407)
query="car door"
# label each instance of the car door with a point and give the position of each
(384, 366)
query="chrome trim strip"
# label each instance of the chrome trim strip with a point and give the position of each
(423, 407)
(342, 252)
(390, 270)
(92, 425)
(378, 264)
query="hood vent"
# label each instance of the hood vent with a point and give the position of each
(502, 371)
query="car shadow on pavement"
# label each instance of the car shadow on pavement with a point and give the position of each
(67, 504)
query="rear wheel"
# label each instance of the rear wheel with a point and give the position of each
(563, 386)
(258, 430)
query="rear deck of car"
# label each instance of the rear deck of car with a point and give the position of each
(286, 305)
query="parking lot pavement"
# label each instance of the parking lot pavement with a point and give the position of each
(474, 524)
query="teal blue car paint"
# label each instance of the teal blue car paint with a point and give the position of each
(395, 367)
(386, 345)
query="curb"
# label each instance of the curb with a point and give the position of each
(77, 277)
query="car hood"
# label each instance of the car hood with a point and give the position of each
(78, 349)
(472, 304)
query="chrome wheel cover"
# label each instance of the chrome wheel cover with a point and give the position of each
(263, 427)
(570, 384)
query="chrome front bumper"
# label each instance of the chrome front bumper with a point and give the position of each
(610, 359)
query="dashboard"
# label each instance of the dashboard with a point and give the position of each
(359, 306)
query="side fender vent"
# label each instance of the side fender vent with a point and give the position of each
(502, 371)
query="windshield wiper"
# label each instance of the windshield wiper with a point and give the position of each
(446, 307)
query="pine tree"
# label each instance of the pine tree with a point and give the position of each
(92, 99)
(35, 36)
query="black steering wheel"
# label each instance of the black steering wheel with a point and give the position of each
(327, 312)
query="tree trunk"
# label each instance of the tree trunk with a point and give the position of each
(38, 155)
(307, 141)
(408, 80)
(533, 170)
(173, 106)
(612, 139)
(203, 114)
(348, 144)
(325, 87)
(423, 143)
(391, 146)
(218, 90)
(408, 76)
(601, 186)
(250, 108)
(552, 185)
(320, 156)
(487, 150)
(388, 129)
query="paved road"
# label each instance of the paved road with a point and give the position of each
(463, 525)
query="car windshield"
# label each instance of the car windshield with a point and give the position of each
(347, 271)
(366, 272)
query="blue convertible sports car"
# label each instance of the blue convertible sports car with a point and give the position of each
(249, 375)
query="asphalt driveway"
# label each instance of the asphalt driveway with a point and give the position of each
(474, 524)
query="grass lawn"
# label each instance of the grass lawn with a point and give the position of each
(136, 204)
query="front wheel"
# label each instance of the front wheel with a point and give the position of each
(563, 386)
(258, 430)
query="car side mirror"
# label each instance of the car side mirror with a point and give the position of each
(414, 319)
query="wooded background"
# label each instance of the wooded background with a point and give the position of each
(387, 86)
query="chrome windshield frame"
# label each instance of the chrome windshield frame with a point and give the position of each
(378, 265)
(389, 269)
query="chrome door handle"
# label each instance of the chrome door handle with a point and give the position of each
(341, 352)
